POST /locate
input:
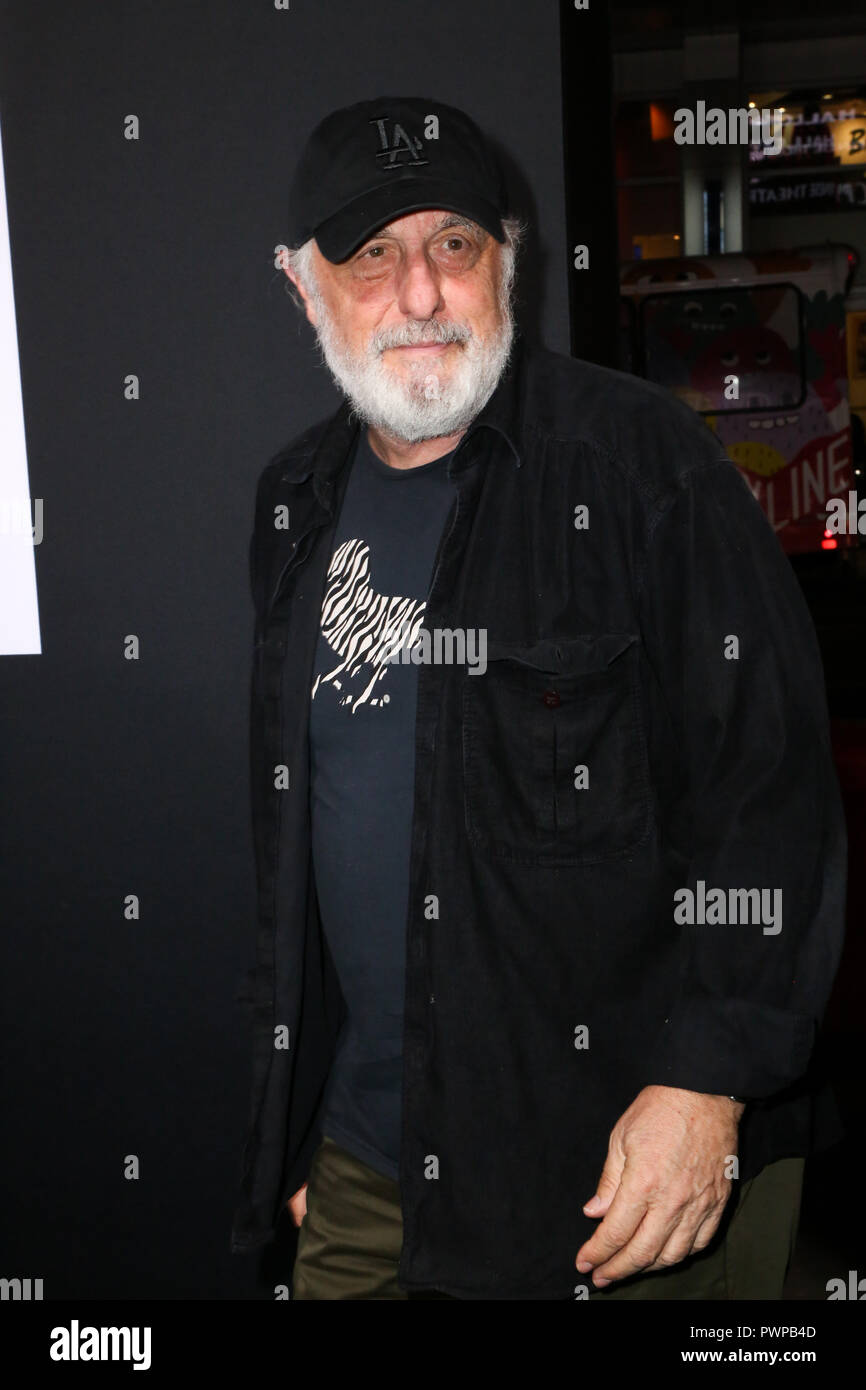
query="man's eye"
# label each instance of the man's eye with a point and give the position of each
(373, 260)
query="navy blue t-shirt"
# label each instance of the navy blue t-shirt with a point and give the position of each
(362, 770)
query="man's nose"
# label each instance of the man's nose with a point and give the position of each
(419, 292)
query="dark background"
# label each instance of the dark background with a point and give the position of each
(156, 257)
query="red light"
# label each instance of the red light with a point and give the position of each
(661, 122)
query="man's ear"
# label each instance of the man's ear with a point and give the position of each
(308, 304)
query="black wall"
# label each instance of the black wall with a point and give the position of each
(155, 257)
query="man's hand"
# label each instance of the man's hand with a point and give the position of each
(297, 1205)
(663, 1188)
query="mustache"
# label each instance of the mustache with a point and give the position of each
(410, 334)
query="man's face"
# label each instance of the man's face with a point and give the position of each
(416, 326)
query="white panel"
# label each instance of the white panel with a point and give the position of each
(19, 612)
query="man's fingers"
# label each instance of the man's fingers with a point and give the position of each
(662, 1241)
(608, 1184)
(688, 1239)
(638, 1253)
(678, 1246)
(623, 1218)
(707, 1229)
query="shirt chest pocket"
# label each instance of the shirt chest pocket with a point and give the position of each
(554, 756)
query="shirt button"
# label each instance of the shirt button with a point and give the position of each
(551, 698)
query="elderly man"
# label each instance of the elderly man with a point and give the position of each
(550, 852)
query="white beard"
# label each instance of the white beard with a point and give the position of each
(426, 402)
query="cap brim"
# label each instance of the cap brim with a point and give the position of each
(340, 235)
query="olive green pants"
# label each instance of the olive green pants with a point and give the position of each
(349, 1241)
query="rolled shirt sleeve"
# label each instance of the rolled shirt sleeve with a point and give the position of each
(736, 661)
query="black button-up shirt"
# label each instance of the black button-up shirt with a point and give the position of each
(628, 848)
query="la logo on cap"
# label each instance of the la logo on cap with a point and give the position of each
(391, 156)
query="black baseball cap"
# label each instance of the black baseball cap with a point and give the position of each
(366, 164)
